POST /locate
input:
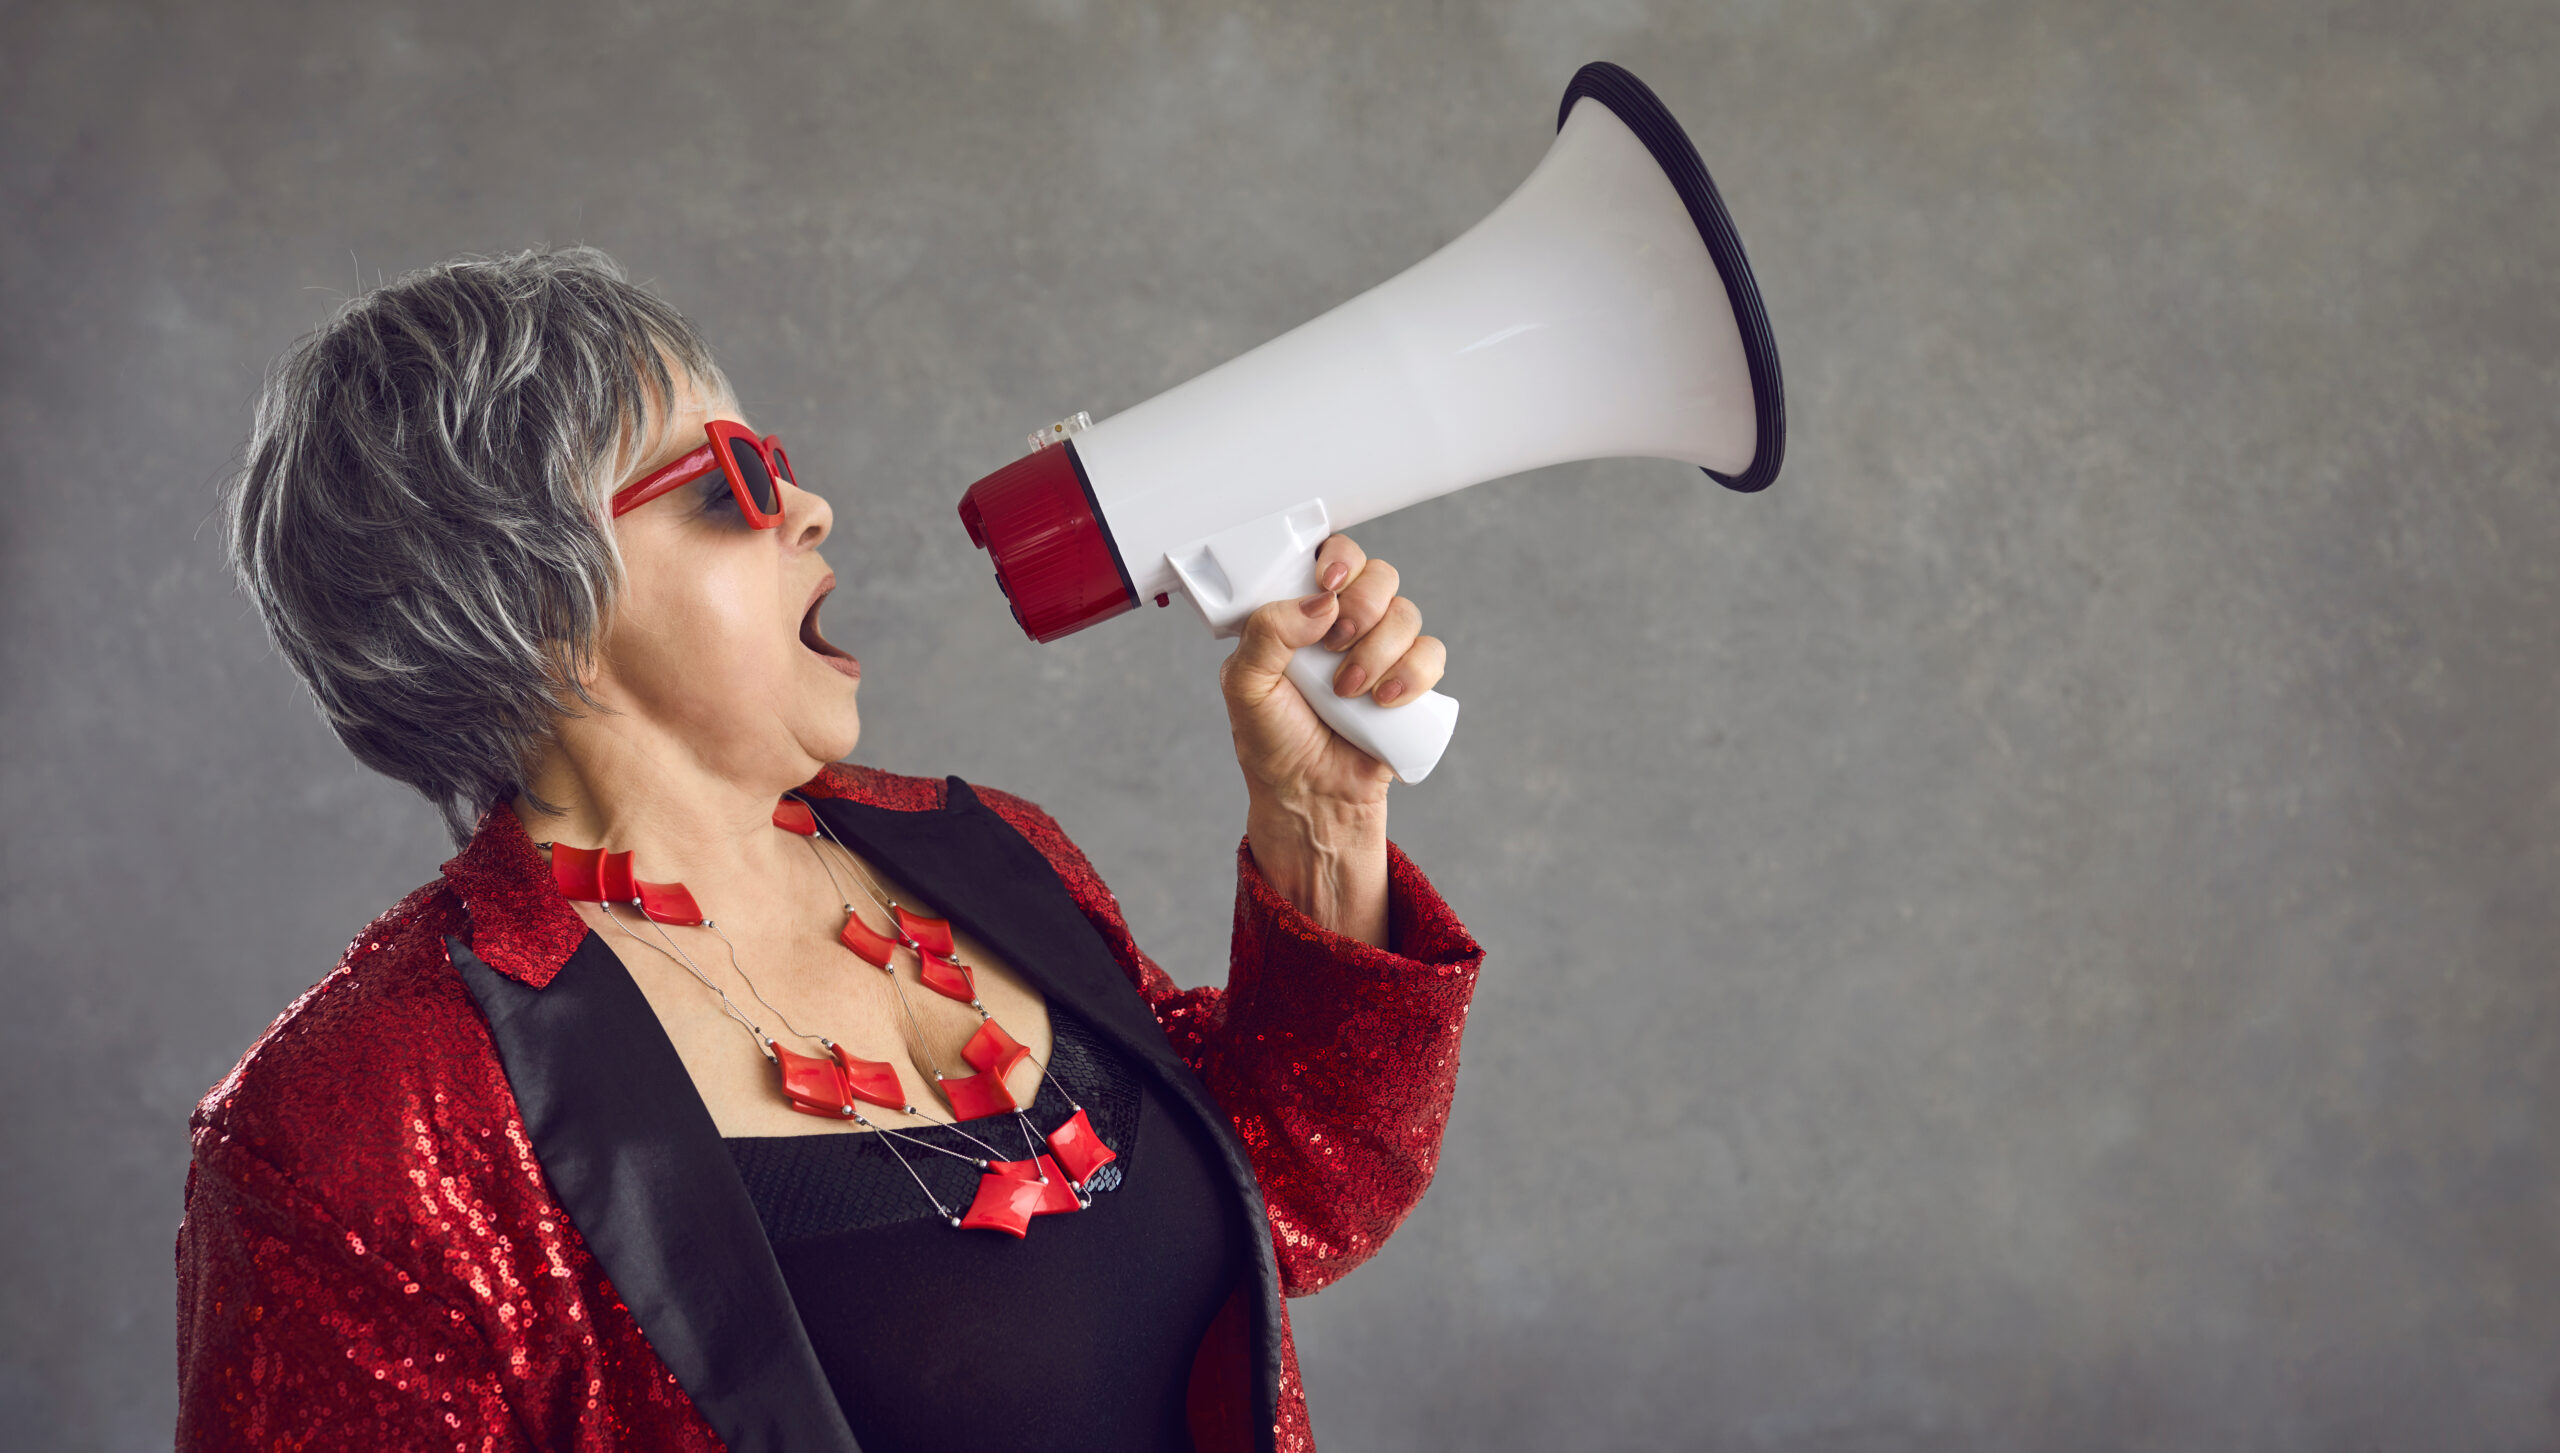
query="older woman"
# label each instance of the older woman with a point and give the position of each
(718, 1094)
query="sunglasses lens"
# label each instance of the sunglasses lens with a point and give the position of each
(750, 462)
(782, 464)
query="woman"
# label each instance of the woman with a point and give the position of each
(717, 1093)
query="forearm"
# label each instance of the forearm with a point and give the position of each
(1327, 857)
(1336, 1059)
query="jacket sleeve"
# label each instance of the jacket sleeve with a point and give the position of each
(1335, 1059)
(292, 1333)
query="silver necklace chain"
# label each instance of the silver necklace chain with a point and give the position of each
(891, 1136)
(889, 906)
(674, 950)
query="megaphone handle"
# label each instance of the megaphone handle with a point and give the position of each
(1228, 574)
(1408, 737)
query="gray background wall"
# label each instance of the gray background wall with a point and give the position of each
(2035, 933)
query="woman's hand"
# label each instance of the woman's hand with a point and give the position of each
(1284, 748)
(1317, 805)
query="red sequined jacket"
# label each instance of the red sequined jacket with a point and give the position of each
(417, 1218)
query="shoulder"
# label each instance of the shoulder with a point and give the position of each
(875, 788)
(1032, 821)
(382, 1051)
(871, 786)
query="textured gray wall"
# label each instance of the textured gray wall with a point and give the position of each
(2035, 933)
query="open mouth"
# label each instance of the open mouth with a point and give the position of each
(810, 637)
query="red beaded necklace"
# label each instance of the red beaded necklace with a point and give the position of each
(1010, 1192)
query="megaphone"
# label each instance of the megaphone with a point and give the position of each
(1604, 310)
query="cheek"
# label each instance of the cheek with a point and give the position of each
(691, 642)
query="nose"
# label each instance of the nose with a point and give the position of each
(806, 516)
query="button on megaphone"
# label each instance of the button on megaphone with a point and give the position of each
(1604, 310)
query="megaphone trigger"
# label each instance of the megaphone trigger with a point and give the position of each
(1235, 572)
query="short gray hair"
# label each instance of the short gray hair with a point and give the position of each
(421, 517)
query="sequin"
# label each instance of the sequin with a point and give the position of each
(371, 1256)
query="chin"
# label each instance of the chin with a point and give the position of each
(835, 740)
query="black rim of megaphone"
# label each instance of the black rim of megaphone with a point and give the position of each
(1635, 104)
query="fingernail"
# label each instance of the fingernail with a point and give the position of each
(1389, 692)
(1339, 636)
(1351, 680)
(1335, 575)
(1314, 605)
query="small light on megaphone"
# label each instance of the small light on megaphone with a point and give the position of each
(1604, 310)
(1072, 424)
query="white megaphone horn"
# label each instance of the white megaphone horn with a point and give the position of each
(1604, 310)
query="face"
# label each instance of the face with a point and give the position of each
(714, 641)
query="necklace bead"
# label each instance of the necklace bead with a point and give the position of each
(1010, 1192)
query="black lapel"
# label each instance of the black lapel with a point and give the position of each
(633, 1154)
(969, 863)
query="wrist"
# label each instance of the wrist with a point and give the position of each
(1296, 813)
(1326, 856)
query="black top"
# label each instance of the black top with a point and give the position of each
(631, 1152)
(1080, 1335)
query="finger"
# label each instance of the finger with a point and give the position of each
(1368, 660)
(1270, 635)
(1364, 603)
(1338, 550)
(1417, 673)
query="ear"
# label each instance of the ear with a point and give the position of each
(585, 669)
(577, 669)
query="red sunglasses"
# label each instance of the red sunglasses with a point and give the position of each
(752, 465)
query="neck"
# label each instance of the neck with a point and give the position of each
(621, 787)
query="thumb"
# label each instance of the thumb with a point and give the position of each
(1271, 634)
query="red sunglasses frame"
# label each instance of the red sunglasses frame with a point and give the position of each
(716, 454)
